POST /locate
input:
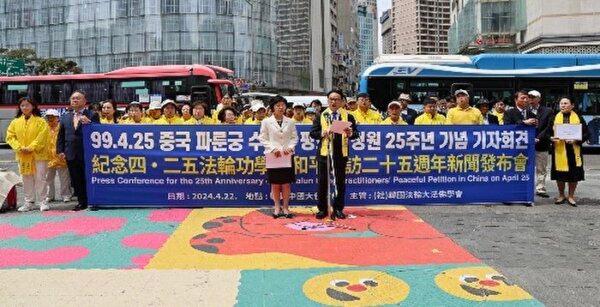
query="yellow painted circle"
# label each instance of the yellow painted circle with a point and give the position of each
(479, 284)
(356, 288)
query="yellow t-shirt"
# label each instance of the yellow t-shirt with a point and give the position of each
(305, 121)
(370, 117)
(252, 121)
(166, 121)
(54, 161)
(427, 119)
(468, 116)
(388, 121)
(145, 120)
(106, 121)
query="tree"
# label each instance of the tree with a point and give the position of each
(50, 66)
(54, 66)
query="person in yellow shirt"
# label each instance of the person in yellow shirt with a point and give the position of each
(109, 112)
(311, 113)
(57, 165)
(169, 111)
(394, 108)
(226, 102)
(463, 113)
(259, 112)
(299, 117)
(27, 135)
(430, 115)
(186, 113)
(228, 116)
(154, 111)
(364, 114)
(246, 112)
(351, 105)
(499, 109)
(135, 115)
(199, 116)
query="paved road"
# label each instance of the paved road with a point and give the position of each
(551, 251)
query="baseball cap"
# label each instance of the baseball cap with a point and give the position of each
(299, 105)
(258, 106)
(534, 93)
(52, 112)
(461, 91)
(154, 105)
(363, 95)
(406, 97)
(167, 102)
(482, 102)
(394, 103)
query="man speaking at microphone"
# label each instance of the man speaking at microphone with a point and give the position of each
(337, 152)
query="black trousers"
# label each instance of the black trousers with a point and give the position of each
(77, 173)
(339, 165)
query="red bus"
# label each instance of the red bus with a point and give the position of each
(141, 83)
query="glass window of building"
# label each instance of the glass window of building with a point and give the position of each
(171, 41)
(170, 6)
(119, 44)
(104, 45)
(206, 6)
(136, 7)
(224, 7)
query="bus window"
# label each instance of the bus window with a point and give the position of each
(170, 88)
(54, 93)
(588, 102)
(95, 91)
(130, 90)
(12, 92)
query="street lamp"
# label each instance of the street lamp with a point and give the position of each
(251, 24)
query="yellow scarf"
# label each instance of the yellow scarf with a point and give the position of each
(324, 126)
(560, 149)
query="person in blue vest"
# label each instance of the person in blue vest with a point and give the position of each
(338, 153)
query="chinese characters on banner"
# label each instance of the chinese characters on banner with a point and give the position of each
(200, 166)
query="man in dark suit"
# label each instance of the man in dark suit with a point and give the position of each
(542, 143)
(69, 144)
(408, 115)
(340, 146)
(488, 118)
(520, 114)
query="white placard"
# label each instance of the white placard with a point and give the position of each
(282, 161)
(568, 132)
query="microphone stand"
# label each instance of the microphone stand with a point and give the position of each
(330, 175)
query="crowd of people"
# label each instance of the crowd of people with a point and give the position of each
(51, 145)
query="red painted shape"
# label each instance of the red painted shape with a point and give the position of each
(141, 261)
(169, 215)
(15, 257)
(357, 288)
(153, 240)
(79, 225)
(489, 283)
(374, 237)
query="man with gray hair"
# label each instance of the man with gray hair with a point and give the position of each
(542, 144)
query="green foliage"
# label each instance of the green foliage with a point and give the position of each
(50, 66)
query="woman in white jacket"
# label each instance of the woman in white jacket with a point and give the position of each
(279, 137)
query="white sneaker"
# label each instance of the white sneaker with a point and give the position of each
(67, 199)
(26, 207)
(48, 199)
(44, 207)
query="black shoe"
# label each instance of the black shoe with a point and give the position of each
(80, 207)
(542, 194)
(339, 214)
(321, 215)
(289, 216)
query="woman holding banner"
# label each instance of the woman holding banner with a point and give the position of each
(279, 137)
(567, 160)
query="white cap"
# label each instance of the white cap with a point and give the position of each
(394, 103)
(167, 102)
(154, 105)
(52, 112)
(256, 102)
(404, 96)
(257, 107)
(461, 91)
(310, 110)
(299, 104)
(135, 103)
(534, 93)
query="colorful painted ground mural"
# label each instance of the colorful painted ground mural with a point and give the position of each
(378, 256)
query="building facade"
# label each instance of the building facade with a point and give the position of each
(555, 26)
(344, 45)
(479, 26)
(367, 32)
(385, 22)
(104, 35)
(420, 26)
(303, 37)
